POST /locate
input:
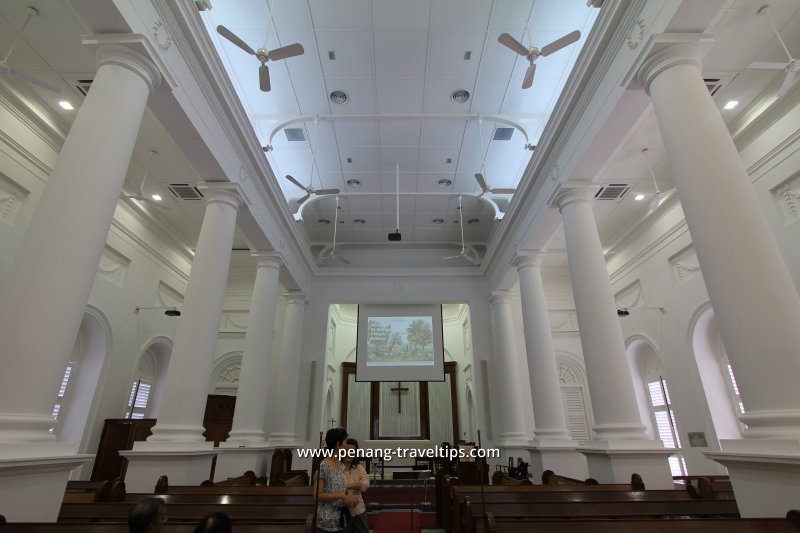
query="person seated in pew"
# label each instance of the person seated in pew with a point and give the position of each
(147, 516)
(331, 494)
(216, 522)
(357, 482)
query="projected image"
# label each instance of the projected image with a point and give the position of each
(399, 341)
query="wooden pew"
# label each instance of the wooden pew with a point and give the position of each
(272, 497)
(258, 489)
(118, 527)
(191, 512)
(711, 490)
(248, 479)
(568, 510)
(625, 525)
(83, 486)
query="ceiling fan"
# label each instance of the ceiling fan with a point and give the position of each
(262, 54)
(6, 70)
(660, 196)
(792, 68)
(479, 176)
(332, 253)
(532, 53)
(310, 190)
(463, 253)
(139, 195)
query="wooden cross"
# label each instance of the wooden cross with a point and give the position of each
(332, 421)
(399, 390)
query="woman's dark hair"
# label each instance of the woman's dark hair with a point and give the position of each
(356, 459)
(334, 436)
(144, 513)
(214, 523)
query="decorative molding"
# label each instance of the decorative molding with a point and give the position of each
(636, 36)
(12, 198)
(562, 320)
(665, 239)
(568, 374)
(35, 118)
(684, 265)
(167, 296)
(786, 197)
(227, 371)
(630, 296)
(161, 35)
(234, 321)
(113, 266)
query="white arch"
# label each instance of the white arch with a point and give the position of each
(225, 377)
(158, 350)
(575, 386)
(645, 364)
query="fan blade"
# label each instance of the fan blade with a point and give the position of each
(228, 34)
(655, 202)
(326, 191)
(787, 82)
(263, 78)
(36, 81)
(507, 40)
(290, 178)
(558, 44)
(503, 191)
(528, 81)
(767, 65)
(285, 52)
(482, 182)
(304, 198)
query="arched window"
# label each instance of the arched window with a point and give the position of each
(664, 417)
(141, 387)
(574, 399)
(729, 378)
(65, 388)
(225, 379)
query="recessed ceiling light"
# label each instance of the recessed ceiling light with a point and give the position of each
(354, 183)
(445, 182)
(349, 159)
(359, 221)
(467, 55)
(332, 55)
(66, 105)
(639, 197)
(473, 221)
(156, 197)
(438, 221)
(731, 104)
(460, 96)
(339, 97)
(323, 221)
(448, 160)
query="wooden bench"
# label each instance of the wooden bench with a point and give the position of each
(258, 489)
(118, 527)
(711, 490)
(625, 525)
(273, 497)
(248, 479)
(83, 486)
(473, 512)
(191, 512)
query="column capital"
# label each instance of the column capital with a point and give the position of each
(570, 195)
(122, 56)
(501, 297)
(529, 258)
(223, 192)
(267, 259)
(668, 57)
(296, 297)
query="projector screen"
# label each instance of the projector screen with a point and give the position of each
(400, 343)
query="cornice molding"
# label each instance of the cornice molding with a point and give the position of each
(33, 118)
(676, 231)
(746, 129)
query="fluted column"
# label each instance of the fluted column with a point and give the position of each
(251, 400)
(180, 417)
(284, 426)
(46, 289)
(610, 383)
(513, 432)
(548, 409)
(754, 299)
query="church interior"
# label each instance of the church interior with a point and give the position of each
(200, 200)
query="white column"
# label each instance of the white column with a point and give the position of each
(751, 290)
(284, 426)
(513, 432)
(548, 409)
(246, 447)
(48, 285)
(45, 292)
(748, 282)
(180, 416)
(622, 446)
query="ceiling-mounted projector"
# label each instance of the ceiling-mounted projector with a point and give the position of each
(394, 236)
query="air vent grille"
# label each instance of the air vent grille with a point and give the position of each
(503, 134)
(185, 191)
(295, 134)
(612, 191)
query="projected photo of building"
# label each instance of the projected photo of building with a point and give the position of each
(399, 341)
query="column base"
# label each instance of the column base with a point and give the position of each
(764, 474)
(283, 440)
(32, 484)
(236, 458)
(182, 463)
(561, 457)
(615, 465)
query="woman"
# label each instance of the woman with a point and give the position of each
(356, 482)
(331, 492)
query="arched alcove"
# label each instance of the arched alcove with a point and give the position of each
(644, 364)
(152, 368)
(225, 378)
(712, 363)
